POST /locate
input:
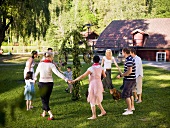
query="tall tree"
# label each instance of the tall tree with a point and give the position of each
(71, 46)
(24, 17)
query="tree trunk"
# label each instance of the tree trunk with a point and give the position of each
(4, 27)
(2, 36)
(2, 32)
(76, 73)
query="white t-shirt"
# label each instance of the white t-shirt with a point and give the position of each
(139, 68)
(108, 63)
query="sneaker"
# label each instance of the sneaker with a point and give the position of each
(66, 90)
(127, 112)
(133, 109)
(136, 100)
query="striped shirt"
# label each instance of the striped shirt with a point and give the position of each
(130, 62)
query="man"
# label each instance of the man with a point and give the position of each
(139, 74)
(48, 50)
(51, 51)
(129, 80)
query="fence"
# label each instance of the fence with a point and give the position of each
(25, 49)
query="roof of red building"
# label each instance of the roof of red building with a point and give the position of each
(119, 33)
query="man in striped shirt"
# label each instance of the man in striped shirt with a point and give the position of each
(129, 80)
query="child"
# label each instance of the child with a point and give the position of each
(68, 74)
(29, 90)
(95, 90)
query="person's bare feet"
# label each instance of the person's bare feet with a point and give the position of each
(138, 102)
(91, 118)
(102, 114)
(43, 115)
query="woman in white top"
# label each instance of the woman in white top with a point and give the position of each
(107, 61)
(46, 68)
(29, 66)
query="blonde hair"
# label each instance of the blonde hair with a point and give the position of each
(48, 55)
(108, 53)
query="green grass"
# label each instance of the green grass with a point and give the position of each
(153, 112)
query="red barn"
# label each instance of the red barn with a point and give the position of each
(150, 37)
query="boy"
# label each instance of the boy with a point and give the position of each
(68, 74)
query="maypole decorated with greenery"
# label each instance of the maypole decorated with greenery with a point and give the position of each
(71, 45)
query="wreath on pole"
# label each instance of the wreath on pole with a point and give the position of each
(71, 46)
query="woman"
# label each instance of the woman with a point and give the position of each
(45, 84)
(95, 90)
(107, 62)
(29, 67)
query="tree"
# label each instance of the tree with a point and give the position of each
(70, 45)
(24, 18)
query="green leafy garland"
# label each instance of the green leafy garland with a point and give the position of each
(70, 45)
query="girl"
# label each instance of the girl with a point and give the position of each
(29, 90)
(107, 62)
(95, 90)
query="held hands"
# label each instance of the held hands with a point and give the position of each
(118, 77)
(69, 81)
(73, 81)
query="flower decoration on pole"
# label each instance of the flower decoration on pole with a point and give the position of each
(70, 45)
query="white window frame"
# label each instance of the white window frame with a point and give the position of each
(162, 54)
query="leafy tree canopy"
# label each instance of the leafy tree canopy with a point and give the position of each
(26, 17)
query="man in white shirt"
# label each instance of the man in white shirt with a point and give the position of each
(139, 75)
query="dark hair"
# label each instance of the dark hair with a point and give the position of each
(49, 49)
(96, 59)
(132, 50)
(34, 53)
(126, 50)
(29, 75)
(69, 67)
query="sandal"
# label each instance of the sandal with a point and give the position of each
(52, 118)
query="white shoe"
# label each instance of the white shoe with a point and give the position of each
(127, 109)
(127, 113)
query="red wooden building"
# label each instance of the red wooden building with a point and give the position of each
(150, 37)
(91, 37)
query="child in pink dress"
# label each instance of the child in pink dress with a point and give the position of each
(95, 90)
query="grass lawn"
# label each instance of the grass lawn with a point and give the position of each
(153, 112)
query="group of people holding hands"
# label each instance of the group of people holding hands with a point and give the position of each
(96, 84)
